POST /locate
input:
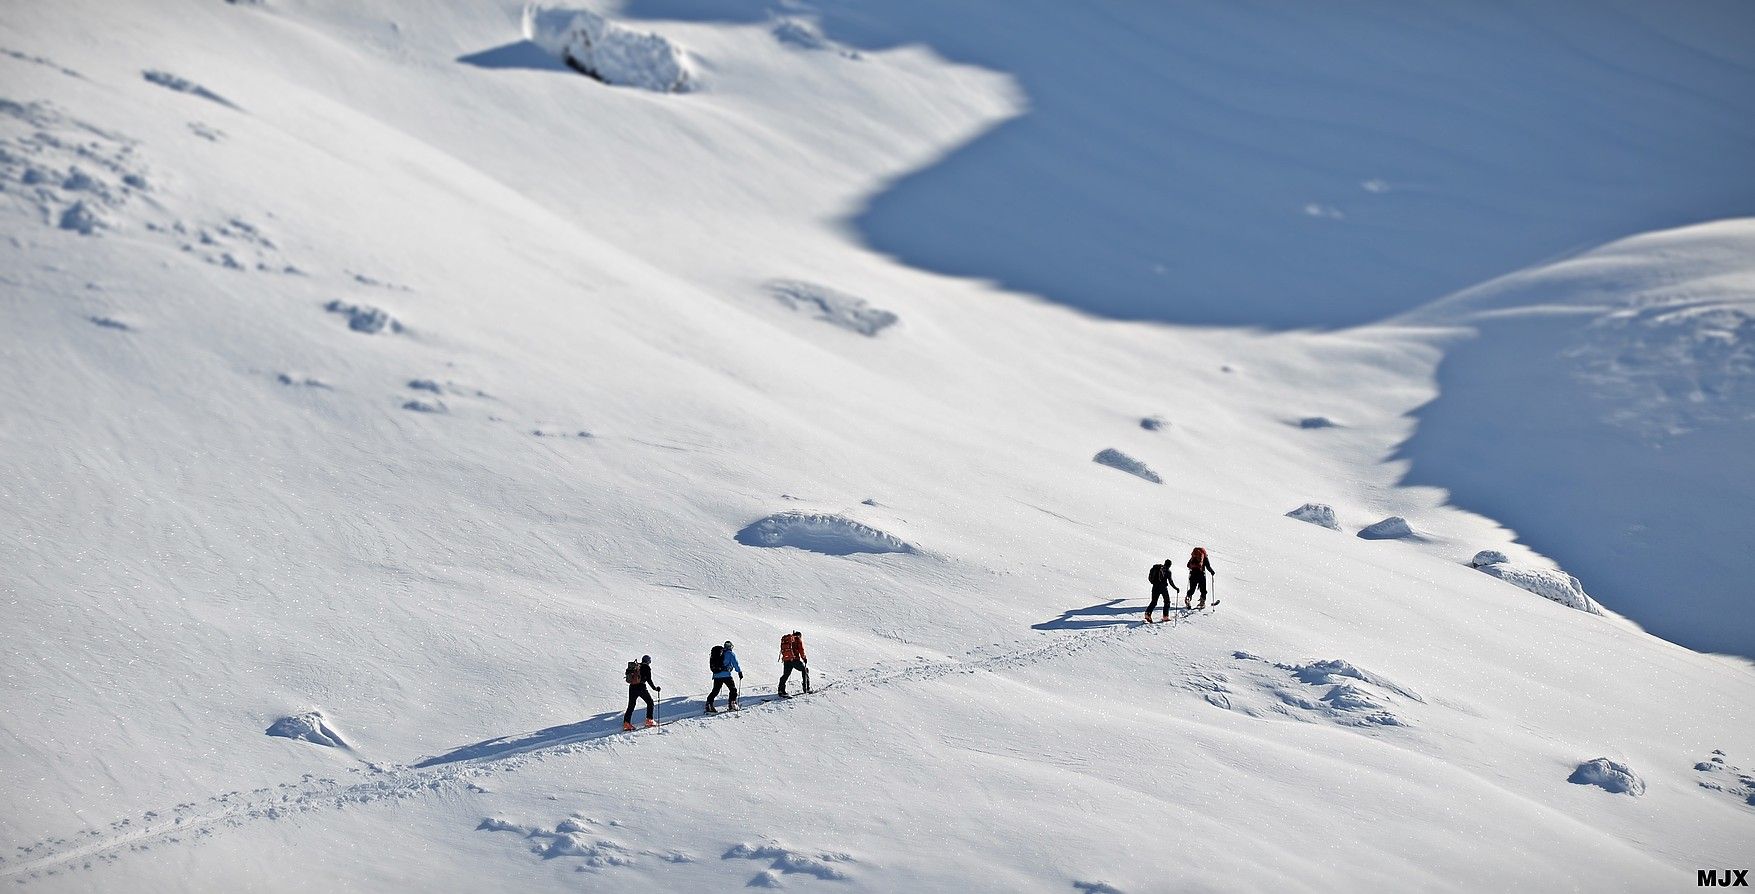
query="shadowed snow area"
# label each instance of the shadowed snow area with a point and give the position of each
(1603, 406)
(1308, 165)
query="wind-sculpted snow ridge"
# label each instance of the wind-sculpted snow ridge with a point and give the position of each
(821, 533)
(1612, 776)
(1115, 459)
(609, 52)
(849, 312)
(1547, 583)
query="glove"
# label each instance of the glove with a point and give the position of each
(657, 688)
(740, 675)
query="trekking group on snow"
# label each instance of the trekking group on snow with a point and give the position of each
(1199, 566)
(722, 660)
(722, 663)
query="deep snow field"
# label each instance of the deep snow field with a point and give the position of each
(387, 375)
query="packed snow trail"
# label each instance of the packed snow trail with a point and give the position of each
(459, 767)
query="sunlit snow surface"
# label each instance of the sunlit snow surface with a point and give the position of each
(370, 374)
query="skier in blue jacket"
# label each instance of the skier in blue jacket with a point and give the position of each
(723, 663)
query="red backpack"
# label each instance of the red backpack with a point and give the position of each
(633, 674)
(1197, 561)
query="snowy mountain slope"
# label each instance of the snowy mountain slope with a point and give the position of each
(234, 503)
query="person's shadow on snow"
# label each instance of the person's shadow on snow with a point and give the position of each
(1103, 614)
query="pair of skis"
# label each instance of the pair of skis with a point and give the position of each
(1185, 612)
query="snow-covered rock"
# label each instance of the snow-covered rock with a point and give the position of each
(1317, 422)
(1544, 582)
(838, 308)
(1154, 423)
(833, 535)
(1609, 775)
(1393, 528)
(1488, 557)
(1115, 459)
(310, 726)
(1316, 514)
(608, 51)
(363, 317)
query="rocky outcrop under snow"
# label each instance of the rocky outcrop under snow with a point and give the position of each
(1608, 775)
(599, 48)
(1393, 528)
(310, 726)
(1115, 459)
(821, 533)
(1316, 514)
(1547, 583)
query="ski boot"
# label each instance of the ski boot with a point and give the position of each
(628, 727)
(1165, 619)
(1148, 617)
(710, 710)
(732, 707)
(651, 723)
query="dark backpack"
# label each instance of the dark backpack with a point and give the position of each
(633, 674)
(1156, 575)
(716, 659)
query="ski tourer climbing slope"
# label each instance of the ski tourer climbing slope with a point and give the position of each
(1199, 566)
(639, 676)
(722, 661)
(792, 658)
(1162, 583)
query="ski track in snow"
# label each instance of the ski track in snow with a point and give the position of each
(193, 822)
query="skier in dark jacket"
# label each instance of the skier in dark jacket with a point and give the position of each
(638, 679)
(1199, 566)
(1162, 583)
(723, 663)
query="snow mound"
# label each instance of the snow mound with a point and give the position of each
(310, 726)
(849, 312)
(1115, 459)
(572, 837)
(1608, 775)
(183, 85)
(1488, 557)
(1317, 514)
(1547, 583)
(1730, 780)
(789, 861)
(601, 49)
(1154, 423)
(1393, 528)
(832, 535)
(805, 35)
(364, 318)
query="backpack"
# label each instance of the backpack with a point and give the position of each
(716, 659)
(1197, 561)
(633, 674)
(1156, 575)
